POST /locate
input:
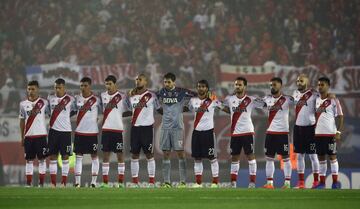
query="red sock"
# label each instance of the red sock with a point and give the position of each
(322, 179)
(121, 178)
(335, 178)
(301, 177)
(215, 180)
(198, 179)
(316, 176)
(53, 179)
(28, 179)
(252, 178)
(151, 180)
(64, 180)
(233, 177)
(105, 179)
(135, 180)
(41, 179)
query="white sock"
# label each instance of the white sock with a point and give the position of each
(94, 169)
(198, 167)
(151, 167)
(42, 167)
(314, 163)
(134, 168)
(214, 167)
(105, 169)
(252, 167)
(300, 163)
(287, 168)
(29, 168)
(322, 168)
(234, 168)
(334, 167)
(53, 167)
(270, 168)
(121, 168)
(78, 169)
(65, 168)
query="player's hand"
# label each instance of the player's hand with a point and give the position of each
(132, 92)
(338, 137)
(211, 95)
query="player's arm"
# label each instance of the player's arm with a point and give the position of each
(186, 109)
(226, 109)
(22, 128)
(127, 107)
(127, 114)
(226, 104)
(339, 120)
(160, 111)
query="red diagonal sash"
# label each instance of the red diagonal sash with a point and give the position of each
(113, 102)
(84, 109)
(58, 108)
(321, 109)
(275, 109)
(33, 113)
(142, 103)
(303, 100)
(203, 107)
(244, 103)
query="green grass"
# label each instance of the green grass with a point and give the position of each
(87, 198)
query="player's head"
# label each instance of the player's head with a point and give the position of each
(302, 82)
(59, 87)
(202, 87)
(33, 89)
(323, 85)
(169, 81)
(275, 85)
(85, 85)
(141, 81)
(110, 83)
(240, 85)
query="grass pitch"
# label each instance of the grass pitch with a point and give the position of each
(88, 198)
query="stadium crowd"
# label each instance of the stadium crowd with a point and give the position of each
(187, 37)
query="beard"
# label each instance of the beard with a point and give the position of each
(301, 88)
(273, 91)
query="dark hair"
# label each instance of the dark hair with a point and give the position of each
(170, 76)
(277, 79)
(242, 79)
(111, 78)
(205, 82)
(60, 81)
(86, 79)
(33, 83)
(325, 79)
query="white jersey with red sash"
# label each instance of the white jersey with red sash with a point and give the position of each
(61, 108)
(240, 110)
(143, 107)
(305, 107)
(204, 112)
(113, 107)
(86, 119)
(34, 114)
(278, 117)
(326, 112)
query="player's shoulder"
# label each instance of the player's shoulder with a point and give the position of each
(230, 96)
(267, 97)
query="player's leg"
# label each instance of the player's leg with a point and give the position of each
(208, 142)
(106, 148)
(65, 151)
(334, 165)
(196, 154)
(119, 148)
(270, 152)
(283, 150)
(177, 140)
(311, 151)
(147, 141)
(30, 155)
(41, 153)
(165, 146)
(54, 148)
(321, 150)
(235, 147)
(79, 150)
(135, 148)
(299, 141)
(94, 160)
(248, 146)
